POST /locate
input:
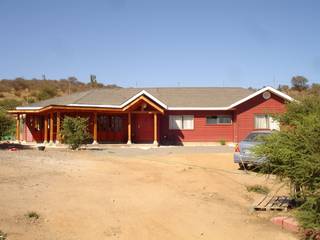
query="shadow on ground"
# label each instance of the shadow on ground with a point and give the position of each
(4, 146)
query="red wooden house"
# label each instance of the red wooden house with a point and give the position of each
(155, 115)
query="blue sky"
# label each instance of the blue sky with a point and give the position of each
(162, 43)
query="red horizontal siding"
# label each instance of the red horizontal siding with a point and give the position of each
(246, 111)
(242, 124)
(202, 132)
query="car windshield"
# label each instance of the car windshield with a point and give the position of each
(256, 137)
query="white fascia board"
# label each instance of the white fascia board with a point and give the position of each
(28, 108)
(91, 105)
(271, 89)
(144, 92)
(198, 108)
(280, 94)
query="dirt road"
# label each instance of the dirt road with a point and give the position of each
(165, 193)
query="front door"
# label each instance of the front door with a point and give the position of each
(143, 128)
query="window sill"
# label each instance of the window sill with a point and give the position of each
(220, 124)
(181, 129)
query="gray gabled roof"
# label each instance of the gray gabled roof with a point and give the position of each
(171, 97)
(210, 98)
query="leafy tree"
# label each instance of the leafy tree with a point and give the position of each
(293, 154)
(75, 131)
(7, 125)
(299, 83)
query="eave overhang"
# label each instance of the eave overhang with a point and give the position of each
(156, 103)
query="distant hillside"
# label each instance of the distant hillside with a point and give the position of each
(20, 91)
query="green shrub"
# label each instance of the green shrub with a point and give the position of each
(3, 236)
(7, 124)
(222, 142)
(46, 93)
(32, 215)
(309, 213)
(293, 155)
(75, 131)
(258, 189)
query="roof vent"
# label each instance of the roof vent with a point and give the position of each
(266, 95)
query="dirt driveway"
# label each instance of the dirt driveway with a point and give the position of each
(119, 193)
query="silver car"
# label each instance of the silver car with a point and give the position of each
(243, 155)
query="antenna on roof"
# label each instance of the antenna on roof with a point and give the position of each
(274, 81)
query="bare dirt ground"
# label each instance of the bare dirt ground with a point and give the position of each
(165, 193)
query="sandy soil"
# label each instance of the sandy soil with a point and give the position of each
(165, 193)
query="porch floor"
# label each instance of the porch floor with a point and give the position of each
(94, 146)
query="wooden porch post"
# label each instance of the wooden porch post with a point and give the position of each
(58, 128)
(95, 129)
(45, 126)
(129, 128)
(155, 129)
(51, 128)
(18, 128)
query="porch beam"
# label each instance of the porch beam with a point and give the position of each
(45, 140)
(144, 112)
(95, 128)
(58, 139)
(51, 128)
(155, 129)
(129, 128)
(18, 128)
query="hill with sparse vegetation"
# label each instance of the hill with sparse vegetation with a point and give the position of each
(20, 91)
(300, 88)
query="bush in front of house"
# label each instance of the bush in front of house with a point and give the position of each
(7, 124)
(222, 142)
(293, 155)
(75, 131)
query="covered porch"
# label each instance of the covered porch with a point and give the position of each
(138, 122)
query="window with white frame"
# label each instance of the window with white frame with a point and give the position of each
(220, 119)
(265, 121)
(181, 122)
